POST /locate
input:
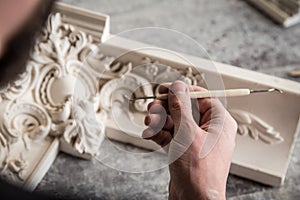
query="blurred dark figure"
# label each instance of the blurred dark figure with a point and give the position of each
(20, 23)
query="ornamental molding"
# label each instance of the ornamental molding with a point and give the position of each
(71, 90)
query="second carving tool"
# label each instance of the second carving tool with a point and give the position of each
(211, 94)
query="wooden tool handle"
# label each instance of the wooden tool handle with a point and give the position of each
(295, 73)
(212, 93)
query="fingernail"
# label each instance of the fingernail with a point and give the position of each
(147, 120)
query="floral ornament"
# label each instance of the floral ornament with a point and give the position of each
(83, 134)
(152, 70)
(256, 128)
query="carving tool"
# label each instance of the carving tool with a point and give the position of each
(210, 94)
(294, 73)
(286, 12)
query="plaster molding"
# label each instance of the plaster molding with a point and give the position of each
(63, 101)
(64, 105)
(252, 157)
(256, 128)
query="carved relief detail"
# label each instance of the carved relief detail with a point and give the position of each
(22, 125)
(13, 170)
(66, 96)
(255, 127)
(25, 120)
(83, 133)
(60, 54)
(66, 84)
(157, 72)
(21, 86)
(73, 86)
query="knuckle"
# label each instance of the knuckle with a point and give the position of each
(175, 105)
(233, 123)
(169, 122)
(233, 127)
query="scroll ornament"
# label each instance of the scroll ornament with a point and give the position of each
(68, 89)
(23, 124)
(255, 127)
(45, 101)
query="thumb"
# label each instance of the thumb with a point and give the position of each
(180, 104)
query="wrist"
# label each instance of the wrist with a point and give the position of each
(212, 194)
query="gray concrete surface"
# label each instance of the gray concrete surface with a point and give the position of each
(232, 32)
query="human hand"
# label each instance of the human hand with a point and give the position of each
(199, 136)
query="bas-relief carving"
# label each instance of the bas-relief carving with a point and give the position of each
(148, 75)
(23, 125)
(14, 169)
(83, 134)
(73, 86)
(68, 89)
(21, 86)
(23, 121)
(139, 80)
(56, 97)
(255, 127)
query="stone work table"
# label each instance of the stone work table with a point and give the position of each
(232, 32)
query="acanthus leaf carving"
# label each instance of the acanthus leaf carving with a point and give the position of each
(255, 127)
(157, 72)
(19, 87)
(57, 80)
(66, 81)
(83, 134)
(106, 67)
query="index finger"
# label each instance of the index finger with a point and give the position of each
(204, 104)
